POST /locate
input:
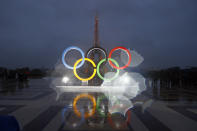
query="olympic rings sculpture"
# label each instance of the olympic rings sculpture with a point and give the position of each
(75, 72)
(96, 49)
(128, 53)
(79, 63)
(98, 71)
(73, 48)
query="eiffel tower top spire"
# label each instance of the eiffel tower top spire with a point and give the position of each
(96, 37)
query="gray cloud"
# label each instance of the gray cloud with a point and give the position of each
(34, 33)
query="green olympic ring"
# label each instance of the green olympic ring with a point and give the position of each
(98, 71)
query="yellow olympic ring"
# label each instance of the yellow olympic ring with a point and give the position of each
(86, 113)
(84, 79)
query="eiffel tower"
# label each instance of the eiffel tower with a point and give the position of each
(96, 55)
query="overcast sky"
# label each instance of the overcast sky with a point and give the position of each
(35, 32)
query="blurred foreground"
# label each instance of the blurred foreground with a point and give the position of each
(34, 105)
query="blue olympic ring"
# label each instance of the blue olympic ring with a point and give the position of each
(66, 51)
(67, 108)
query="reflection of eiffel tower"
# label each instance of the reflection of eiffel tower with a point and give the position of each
(96, 55)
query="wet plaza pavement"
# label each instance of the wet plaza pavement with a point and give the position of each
(35, 107)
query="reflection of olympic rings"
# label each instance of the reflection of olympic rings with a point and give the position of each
(75, 72)
(128, 53)
(65, 109)
(86, 113)
(124, 124)
(98, 72)
(96, 48)
(66, 51)
(98, 105)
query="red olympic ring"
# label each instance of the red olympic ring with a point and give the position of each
(128, 53)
